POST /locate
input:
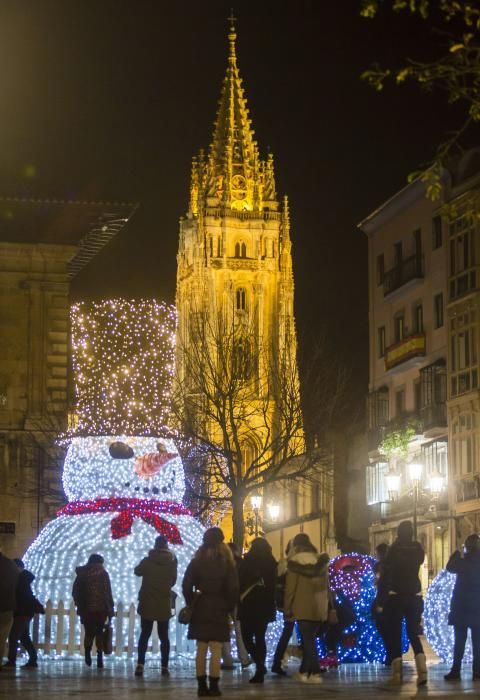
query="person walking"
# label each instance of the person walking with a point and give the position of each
(402, 564)
(257, 575)
(92, 594)
(464, 606)
(210, 589)
(288, 625)
(159, 575)
(306, 600)
(227, 658)
(380, 600)
(26, 606)
(8, 583)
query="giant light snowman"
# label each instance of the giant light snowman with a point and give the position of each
(123, 489)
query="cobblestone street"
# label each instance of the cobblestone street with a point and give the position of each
(65, 678)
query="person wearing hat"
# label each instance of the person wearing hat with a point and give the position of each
(159, 575)
(464, 606)
(210, 588)
(26, 606)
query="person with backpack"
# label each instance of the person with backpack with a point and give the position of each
(159, 575)
(26, 606)
(257, 574)
(210, 589)
(307, 601)
(92, 594)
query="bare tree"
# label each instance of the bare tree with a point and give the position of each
(239, 417)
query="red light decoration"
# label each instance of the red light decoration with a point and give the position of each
(128, 509)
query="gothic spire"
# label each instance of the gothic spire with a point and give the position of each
(234, 176)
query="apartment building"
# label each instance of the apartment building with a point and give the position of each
(407, 473)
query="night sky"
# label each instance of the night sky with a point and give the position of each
(110, 99)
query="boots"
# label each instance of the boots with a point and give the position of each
(421, 665)
(99, 659)
(202, 691)
(88, 656)
(214, 689)
(397, 672)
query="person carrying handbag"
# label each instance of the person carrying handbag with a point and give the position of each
(257, 573)
(210, 589)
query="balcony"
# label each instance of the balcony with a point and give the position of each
(407, 349)
(434, 418)
(405, 271)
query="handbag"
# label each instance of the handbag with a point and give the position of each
(186, 613)
(259, 582)
(107, 639)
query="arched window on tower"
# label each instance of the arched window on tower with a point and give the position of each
(242, 360)
(241, 299)
(240, 249)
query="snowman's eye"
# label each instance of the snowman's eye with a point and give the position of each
(120, 450)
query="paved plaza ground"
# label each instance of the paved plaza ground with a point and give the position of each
(68, 678)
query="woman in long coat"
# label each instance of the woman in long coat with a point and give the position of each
(465, 605)
(92, 594)
(257, 573)
(159, 575)
(210, 585)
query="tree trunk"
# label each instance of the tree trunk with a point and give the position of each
(237, 520)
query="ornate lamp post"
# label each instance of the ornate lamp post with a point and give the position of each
(392, 479)
(256, 502)
(415, 470)
(273, 511)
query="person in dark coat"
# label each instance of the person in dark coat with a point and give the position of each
(159, 575)
(402, 566)
(227, 658)
(465, 605)
(26, 606)
(210, 587)
(257, 573)
(8, 583)
(288, 625)
(92, 594)
(380, 600)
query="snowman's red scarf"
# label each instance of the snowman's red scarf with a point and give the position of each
(128, 509)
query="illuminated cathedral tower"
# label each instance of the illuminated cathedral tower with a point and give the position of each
(234, 260)
(235, 248)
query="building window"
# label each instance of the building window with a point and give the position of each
(375, 482)
(462, 257)
(463, 354)
(240, 250)
(464, 445)
(377, 409)
(417, 393)
(436, 232)
(241, 299)
(438, 310)
(435, 458)
(242, 360)
(380, 269)
(418, 318)
(399, 328)
(433, 380)
(381, 341)
(293, 498)
(398, 253)
(399, 402)
(417, 242)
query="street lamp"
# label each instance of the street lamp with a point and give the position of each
(273, 511)
(436, 484)
(415, 469)
(392, 480)
(256, 502)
